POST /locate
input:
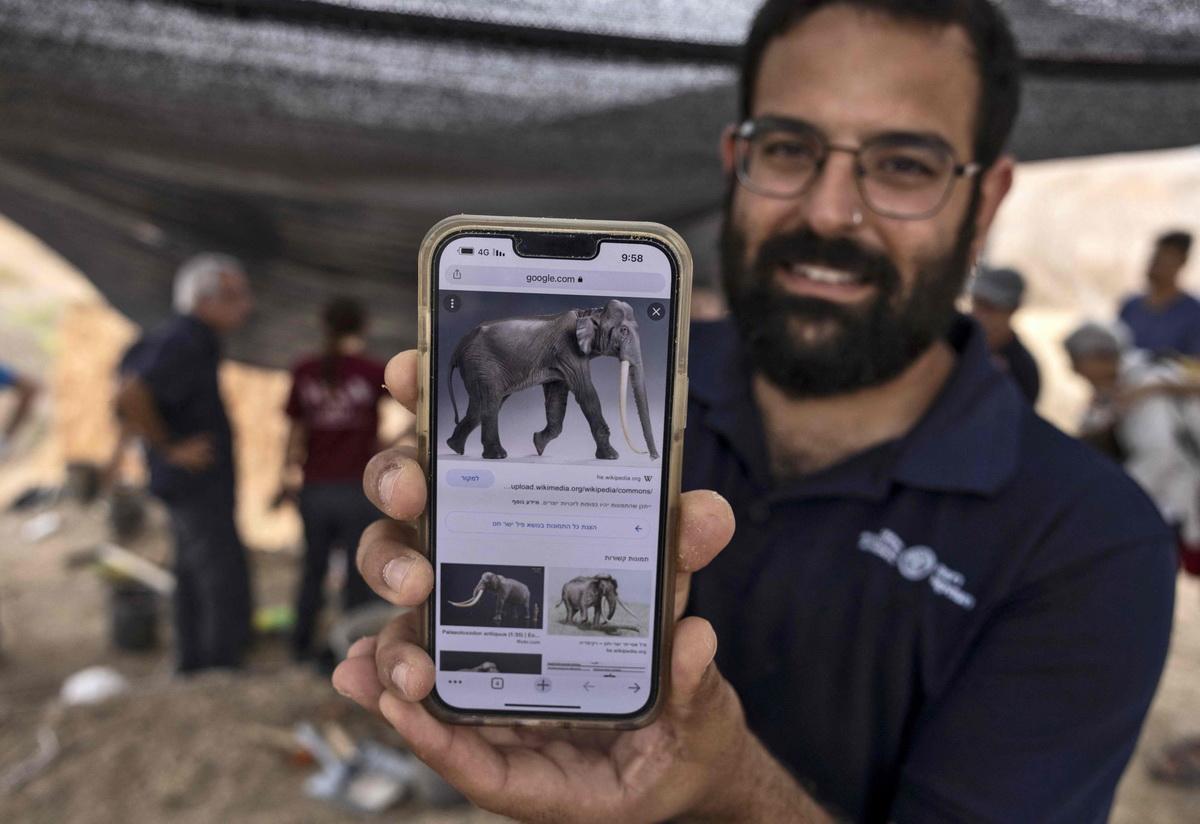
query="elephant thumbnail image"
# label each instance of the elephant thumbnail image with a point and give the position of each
(491, 595)
(569, 346)
(600, 602)
(505, 663)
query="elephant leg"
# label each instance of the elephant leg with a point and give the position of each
(589, 402)
(499, 616)
(490, 417)
(466, 425)
(556, 409)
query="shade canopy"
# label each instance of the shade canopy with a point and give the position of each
(320, 140)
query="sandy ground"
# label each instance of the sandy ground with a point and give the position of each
(207, 750)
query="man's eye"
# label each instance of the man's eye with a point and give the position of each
(910, 167)
(784, 149)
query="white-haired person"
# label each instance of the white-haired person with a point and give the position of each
(1145, 411)
(170, 399)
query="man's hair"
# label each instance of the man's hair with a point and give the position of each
(1092, 339)
(995, 54)
(1177, 239)
(343, 316)
(200, 277)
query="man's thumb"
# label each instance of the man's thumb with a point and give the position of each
(692, 660)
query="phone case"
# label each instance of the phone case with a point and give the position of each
(631, 230)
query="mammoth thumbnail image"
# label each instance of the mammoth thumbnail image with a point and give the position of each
(600, 602)
(476, 595)
(595, 355)
(509, 663)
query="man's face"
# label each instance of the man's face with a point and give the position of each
(1098, 370)
(995, 320)
(1165, 266)
(230, 307)
(855, 75)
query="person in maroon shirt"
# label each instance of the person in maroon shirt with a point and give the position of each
(334, 411)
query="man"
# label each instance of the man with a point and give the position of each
(1165, 320)
(935, 607)
(170, 398)
(1145, 413)
(995, 297)
(26, 389)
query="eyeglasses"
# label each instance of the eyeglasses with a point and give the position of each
(903, 176)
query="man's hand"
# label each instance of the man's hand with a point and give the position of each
(698, 756)
(194, 453)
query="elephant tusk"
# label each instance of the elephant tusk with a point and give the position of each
(627, 609)
(623, 398)
(472, 601)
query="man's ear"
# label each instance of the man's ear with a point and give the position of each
(993, 187)
(585, 333)
(727, 142)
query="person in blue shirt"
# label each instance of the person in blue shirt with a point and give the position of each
(935, 606)
(170, 398)
(26, 390)
(1165, 320)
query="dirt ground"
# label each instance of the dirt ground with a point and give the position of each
(216, 747)
(209, 749)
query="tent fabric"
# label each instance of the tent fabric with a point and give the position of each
(319, 140)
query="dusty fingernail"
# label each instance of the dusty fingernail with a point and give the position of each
(400, 676)
(395, 571)
(387, 484)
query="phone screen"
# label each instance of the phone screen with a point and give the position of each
(551, 392)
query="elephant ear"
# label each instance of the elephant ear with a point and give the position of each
(585, 333)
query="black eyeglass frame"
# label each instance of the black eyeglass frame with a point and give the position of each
(747, 129)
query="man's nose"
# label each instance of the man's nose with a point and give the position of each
(833, 201)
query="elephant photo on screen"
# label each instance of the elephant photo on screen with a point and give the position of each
(512, 597)
(498, 358)
(592, 592)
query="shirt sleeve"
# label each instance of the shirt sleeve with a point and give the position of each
(7, 377)
(1042, 720)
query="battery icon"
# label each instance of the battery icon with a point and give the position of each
(466, 250)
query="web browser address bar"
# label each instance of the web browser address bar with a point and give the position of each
(537, 277)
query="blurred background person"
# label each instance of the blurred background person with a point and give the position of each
(170, 399)
(333, 406)
(996, 295)
(1146, 413)
(1166, 319)
(26, 389)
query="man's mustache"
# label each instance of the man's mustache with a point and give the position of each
(808, 248)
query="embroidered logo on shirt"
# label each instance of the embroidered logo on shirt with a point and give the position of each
(917, 563)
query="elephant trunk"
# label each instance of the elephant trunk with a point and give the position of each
(639, 397)
(612, 606)
(473, 600)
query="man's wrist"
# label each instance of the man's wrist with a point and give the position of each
(758, 788)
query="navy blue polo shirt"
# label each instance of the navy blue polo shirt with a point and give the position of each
(965, 624)
(178, 363)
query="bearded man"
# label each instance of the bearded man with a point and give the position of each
(935, 607)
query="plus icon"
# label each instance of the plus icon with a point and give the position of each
(542, 684)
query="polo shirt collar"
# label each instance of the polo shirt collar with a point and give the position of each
(967, 441)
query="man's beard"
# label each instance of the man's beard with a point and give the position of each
(869, 344)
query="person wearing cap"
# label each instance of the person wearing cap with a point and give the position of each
(170, 399)
(1145, 412)
(996, 295)
(1165, 320)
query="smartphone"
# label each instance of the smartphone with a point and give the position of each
(553, 395)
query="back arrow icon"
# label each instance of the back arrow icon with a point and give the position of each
(637, 528)
(587, 685)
